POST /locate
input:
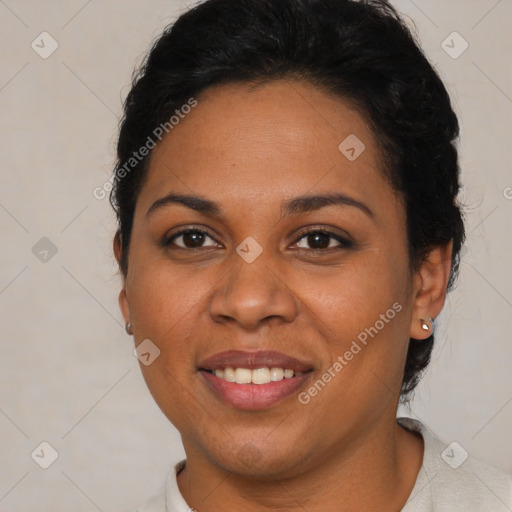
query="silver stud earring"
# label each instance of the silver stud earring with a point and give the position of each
(128, 328)
(424, 325)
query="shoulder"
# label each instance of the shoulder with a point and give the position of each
(451, 480)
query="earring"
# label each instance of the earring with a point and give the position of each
(128, 328)
(424, 325)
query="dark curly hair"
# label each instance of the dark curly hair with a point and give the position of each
(361, 51)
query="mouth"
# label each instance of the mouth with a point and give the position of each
(254, 380)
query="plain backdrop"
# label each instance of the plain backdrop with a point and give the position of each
(68, 375)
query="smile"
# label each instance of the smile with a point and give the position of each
(254, 380)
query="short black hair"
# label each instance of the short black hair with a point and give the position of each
(361, 51)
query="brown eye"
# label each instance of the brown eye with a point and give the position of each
(318, 240)
(190, 239)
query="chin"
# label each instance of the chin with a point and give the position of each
(259, 462)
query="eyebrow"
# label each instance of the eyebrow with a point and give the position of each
(309, 203)
(199, 204)
(296, 205)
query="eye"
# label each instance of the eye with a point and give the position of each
(190, 238)
(317, 239)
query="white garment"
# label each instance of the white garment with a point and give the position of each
(446, 482)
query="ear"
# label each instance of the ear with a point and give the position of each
(123, 297)
(430, 284)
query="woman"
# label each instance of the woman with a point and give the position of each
(288, 229)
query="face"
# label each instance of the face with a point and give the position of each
(265, 272)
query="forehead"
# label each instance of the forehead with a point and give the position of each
(283, 138)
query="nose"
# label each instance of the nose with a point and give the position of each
(251, 294)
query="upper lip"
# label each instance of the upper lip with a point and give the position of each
(253, 360)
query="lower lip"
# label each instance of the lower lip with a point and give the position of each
(254, 396)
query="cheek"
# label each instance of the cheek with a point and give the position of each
(165, 295)
(166, 302)
(351, 297)
(362, 312)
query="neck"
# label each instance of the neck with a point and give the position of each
(374, 471)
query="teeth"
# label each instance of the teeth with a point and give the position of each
(229, 375)
(260, 376)
(243, 376)
(276, 374)
(257, 376)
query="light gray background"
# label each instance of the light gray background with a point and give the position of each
(67, 372)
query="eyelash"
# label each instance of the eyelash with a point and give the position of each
(344, 242)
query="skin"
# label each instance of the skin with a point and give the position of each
(249, 148)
